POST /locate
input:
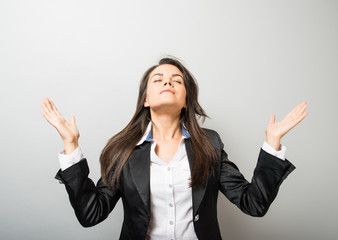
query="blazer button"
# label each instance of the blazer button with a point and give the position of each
(61, 182)
(196, 218)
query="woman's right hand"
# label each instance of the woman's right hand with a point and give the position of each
(67, 130)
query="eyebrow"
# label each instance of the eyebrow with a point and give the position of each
(173, 75)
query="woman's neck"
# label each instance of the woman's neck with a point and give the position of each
(166, 127)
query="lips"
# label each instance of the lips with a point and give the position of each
(167, 90)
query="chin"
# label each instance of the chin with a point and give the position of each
(167, 107)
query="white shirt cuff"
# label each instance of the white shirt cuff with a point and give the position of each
(281, 153)
(67, 161)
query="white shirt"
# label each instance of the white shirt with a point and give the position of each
(170, 194)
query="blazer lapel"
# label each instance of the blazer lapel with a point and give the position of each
(139, 163)
(197, 192)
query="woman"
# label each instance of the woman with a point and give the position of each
(165, 167)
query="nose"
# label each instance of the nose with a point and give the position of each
(168, 81)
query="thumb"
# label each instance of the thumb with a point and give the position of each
(272, 119)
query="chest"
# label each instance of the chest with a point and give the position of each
(166, 151)
(169, 166)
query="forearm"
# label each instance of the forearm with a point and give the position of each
(254, 198)
(92, 203)
(269, 174)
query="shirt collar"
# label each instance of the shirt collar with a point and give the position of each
(147, 136)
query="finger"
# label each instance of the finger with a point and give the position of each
(55, 110)
(48, 105)
(53, 105)
(72, 120)
(301, 117)
(301, 109)
(294, 110)
(296, 116)
(44, 114)
(52, 110)
(46, 117)
(44, 107)
(49, 114)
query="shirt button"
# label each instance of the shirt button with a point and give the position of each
(171, 222)
(170, 204)
(196, 218)
(168, 168)
(170, 185)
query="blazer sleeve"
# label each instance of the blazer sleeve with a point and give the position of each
(91, 203)
(256, 197)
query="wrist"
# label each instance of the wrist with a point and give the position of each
(70, 147)
(273, 142)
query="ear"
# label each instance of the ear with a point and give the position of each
(146, 104)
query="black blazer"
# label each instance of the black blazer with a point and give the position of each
(92, 204)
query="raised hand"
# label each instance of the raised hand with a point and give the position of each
(275, 131)
(67, 130)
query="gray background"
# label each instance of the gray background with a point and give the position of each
(251, 59)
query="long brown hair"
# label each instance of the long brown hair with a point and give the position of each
(118, 149)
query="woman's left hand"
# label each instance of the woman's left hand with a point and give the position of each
(275, 131)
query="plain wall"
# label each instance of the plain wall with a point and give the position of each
(250, 58)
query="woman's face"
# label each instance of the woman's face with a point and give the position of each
(166, 88)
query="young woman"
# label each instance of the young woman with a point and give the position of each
(165, 167)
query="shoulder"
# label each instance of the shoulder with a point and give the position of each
(210, 132)
(213, 137)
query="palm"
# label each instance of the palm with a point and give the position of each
(275, 131)
(67, 130)
(290, 121)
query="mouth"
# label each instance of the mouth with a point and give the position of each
(167, 90)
